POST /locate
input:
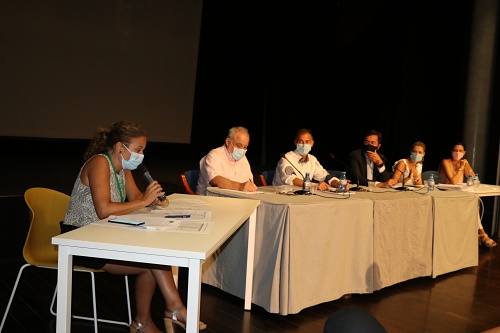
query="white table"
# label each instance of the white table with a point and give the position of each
(157, 247)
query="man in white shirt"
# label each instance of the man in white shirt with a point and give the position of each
(227, 166)
(292, 167)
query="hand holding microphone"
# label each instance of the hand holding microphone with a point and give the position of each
(153, 186)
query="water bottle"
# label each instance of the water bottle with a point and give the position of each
(431, 182)
(307, 183)
(476, 182)
(470, 182)
(343, 182)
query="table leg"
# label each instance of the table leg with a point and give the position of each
(64, 282)
(252, 222)
(194, 296)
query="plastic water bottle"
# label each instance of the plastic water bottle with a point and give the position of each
(470, 182)
(431, 182)
(343, 182)
(476, 181)
(307, 183)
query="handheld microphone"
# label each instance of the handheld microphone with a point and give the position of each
(141, 168)
(354, 189)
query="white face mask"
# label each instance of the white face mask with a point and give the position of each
(134, 160)
(303, 149)
(237, 153)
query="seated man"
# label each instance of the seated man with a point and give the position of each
(227, 166)
(292, 168)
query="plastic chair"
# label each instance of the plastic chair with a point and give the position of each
(190, 180)
(47, 209)
(266, 177)
(335, 173)
(426, 175)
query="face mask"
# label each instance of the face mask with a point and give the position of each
(134, 160)
(237, 153)
(367, 148)
(415, 157)
(303, 149)
(457, 155)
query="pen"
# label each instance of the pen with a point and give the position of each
(178, 216)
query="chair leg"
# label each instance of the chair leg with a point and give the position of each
(95, 319)
(12, 295)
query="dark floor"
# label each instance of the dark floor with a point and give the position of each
(466, 301)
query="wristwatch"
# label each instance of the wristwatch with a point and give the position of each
(380, 165)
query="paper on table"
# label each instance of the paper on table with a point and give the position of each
(242, 192)
(160, 223)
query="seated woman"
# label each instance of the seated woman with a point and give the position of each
(408, 171)
(455, 170)
(105, 186)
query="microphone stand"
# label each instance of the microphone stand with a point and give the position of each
(354, 189)
(298, 192)
(403, 187)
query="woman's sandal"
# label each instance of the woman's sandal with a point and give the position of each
(138, 327)
(488, 242)
(169, 321)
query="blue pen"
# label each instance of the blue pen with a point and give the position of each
(178, 216)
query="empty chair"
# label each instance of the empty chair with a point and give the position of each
(426, 175)
(190, 180)
(47, 209)
(335, 173)
(266, 177)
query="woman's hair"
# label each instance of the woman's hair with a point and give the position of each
(419, 144)
(106, 138)
(458, 143)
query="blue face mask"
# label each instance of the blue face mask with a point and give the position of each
(237, 153)
(415, 157)
(134, 160)
(303, 149)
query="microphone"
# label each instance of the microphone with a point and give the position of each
(299, 192)
(403, 187)
(354, 189)
(283, 156)
(141, 168)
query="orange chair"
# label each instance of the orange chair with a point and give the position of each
(266, 177)
(190, 180)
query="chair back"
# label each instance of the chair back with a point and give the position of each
(266, 177)
(190, 180)
(335, 173)
(47, 209)
(426, 175)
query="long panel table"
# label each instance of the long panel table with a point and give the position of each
(313, 249)
(158, 247)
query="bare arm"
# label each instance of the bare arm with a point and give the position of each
(224, 183)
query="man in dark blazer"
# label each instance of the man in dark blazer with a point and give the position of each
(367, 164)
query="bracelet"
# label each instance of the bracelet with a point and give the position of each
(460, 169)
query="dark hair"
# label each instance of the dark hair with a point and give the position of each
(105, 138)
(302, 131)
(374, 132)
(457, 144)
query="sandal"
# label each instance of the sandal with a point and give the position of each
(486, 241)
(138, 327)
(169, 321)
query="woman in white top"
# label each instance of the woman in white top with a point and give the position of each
(408, 171)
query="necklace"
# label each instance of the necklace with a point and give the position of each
(118, 184)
